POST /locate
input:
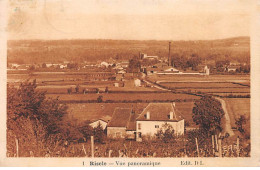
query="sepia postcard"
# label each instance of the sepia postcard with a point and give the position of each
(130, 83)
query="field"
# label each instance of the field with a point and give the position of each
(198, 78)
(57, 85)
(200, 85)
(220, 85)
(237, 107)
(123, 96)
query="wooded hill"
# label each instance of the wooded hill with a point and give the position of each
(56, 51)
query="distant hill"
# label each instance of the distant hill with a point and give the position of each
(54, 51)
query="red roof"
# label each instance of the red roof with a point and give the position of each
(120, 117)
(160, 112)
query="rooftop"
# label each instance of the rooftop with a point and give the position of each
(120, 117)
(160, 112)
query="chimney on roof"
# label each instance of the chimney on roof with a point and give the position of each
(173, 104)
(148, 115)
(171, 115)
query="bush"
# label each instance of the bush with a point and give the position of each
(166, 133)
(99, 135)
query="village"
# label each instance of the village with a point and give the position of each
(140, 99)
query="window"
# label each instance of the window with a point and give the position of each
(139, 126)
(156, 126)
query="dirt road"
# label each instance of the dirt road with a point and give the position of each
(227, 127)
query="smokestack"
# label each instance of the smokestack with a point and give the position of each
(148, 115)
(169, 55)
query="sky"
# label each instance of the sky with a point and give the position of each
(128, 19)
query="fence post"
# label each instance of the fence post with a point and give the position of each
(109, 153)
(220, 148)
(213, 145)
(238, 150)
(197, 147)
(216, 138)
(92, 146)
(17, 147)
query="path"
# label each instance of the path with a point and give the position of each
(227, 128)
(156, 86)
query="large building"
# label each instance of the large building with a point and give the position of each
(145, 56)
(125, 123)
(154, 116)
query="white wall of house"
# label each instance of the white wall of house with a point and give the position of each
(130, 134)
(116, 84)
(151, 127)
(137, 82)
(95, 124)
(116, 132)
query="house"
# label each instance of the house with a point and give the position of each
(232, 68)
(22, 67)
(119, 84)
(48, 65)
(125, 123)
(95, 123)
(117, 127)
(154, 116)
(162, 70)
(168, 70)
(104, 64)
(137, 82)
(62, 66)
(145, 56)
(116, 84)
(14, 66)
(206, 70)
(124, 64)
(102, 121)
(121, 72)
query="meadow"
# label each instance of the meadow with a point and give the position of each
(200, 78)
(237, 107)
(123, 96)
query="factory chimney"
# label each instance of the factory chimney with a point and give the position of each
(169, 55)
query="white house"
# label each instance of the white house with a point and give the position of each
(116, 84)
(206, 70)
(232, 68)
(154, 116)
(127, 124)
(121, 72)
(137, 82)
(105, 64)
(145, 56)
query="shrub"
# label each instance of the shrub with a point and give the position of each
(166, 133)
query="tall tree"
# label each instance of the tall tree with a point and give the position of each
(134, 65)
(207, 113)
(31, 118)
